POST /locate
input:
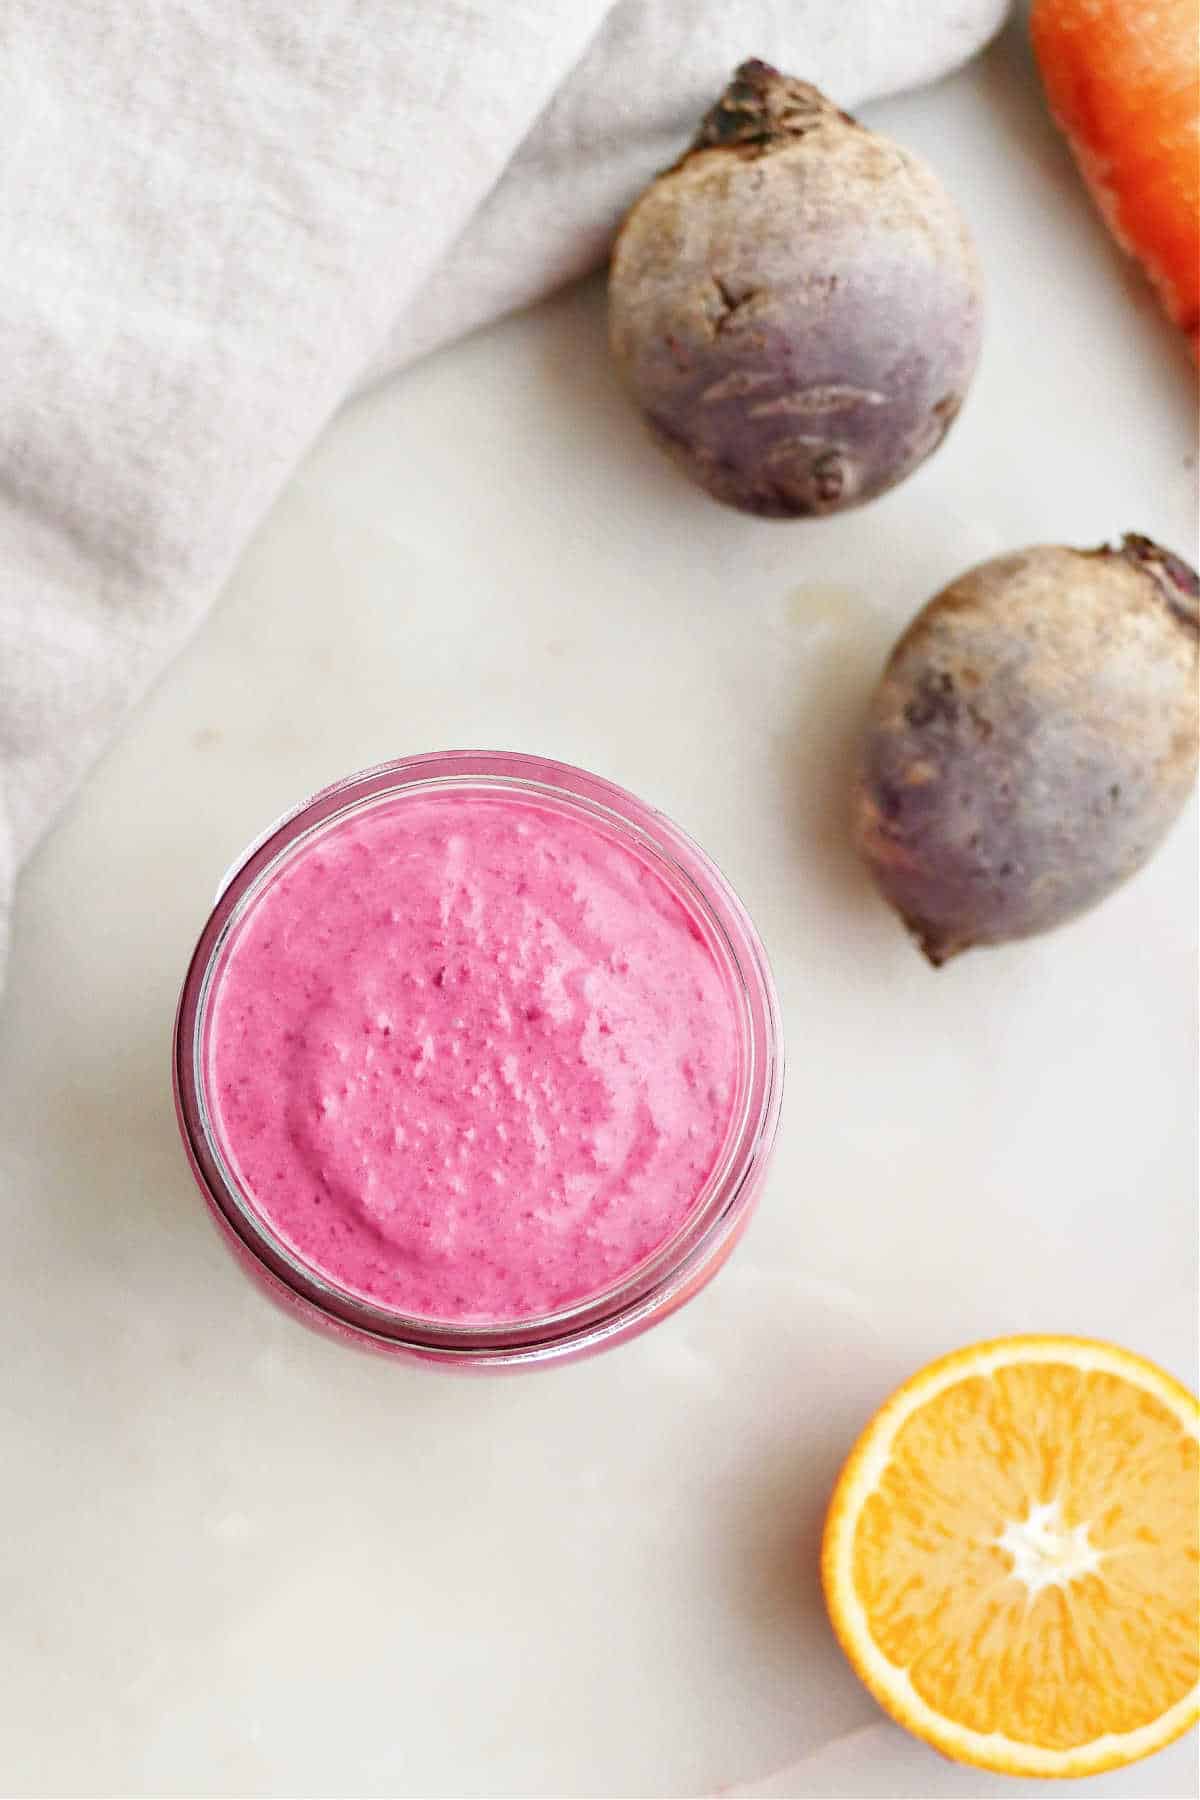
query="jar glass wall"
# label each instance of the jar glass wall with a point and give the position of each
(478, 1060)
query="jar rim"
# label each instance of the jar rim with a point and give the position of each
(676, 1266)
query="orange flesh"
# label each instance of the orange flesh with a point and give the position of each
(1108, 1651)
(1123, 81)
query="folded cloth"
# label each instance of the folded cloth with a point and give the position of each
(220, 217)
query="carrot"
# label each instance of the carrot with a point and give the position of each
(1123, 81)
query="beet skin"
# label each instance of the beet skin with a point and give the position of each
(1032, 739)
(796, 305)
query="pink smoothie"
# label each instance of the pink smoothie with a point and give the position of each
(470, 1057)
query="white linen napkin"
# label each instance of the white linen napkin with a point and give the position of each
(220, 217)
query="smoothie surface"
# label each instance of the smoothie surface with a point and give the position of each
(470, 1057)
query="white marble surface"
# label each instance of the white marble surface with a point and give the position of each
(237, 1559)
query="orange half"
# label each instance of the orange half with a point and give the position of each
(1012, 1556)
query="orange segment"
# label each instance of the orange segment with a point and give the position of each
(1123, 82)
(1012, 1557)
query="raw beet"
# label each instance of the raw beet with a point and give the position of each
(1032, 739)
(796, 305)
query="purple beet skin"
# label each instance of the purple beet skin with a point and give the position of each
(1032, 739)
(796, 305)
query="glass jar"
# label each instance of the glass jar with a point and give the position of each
(660, 1282)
